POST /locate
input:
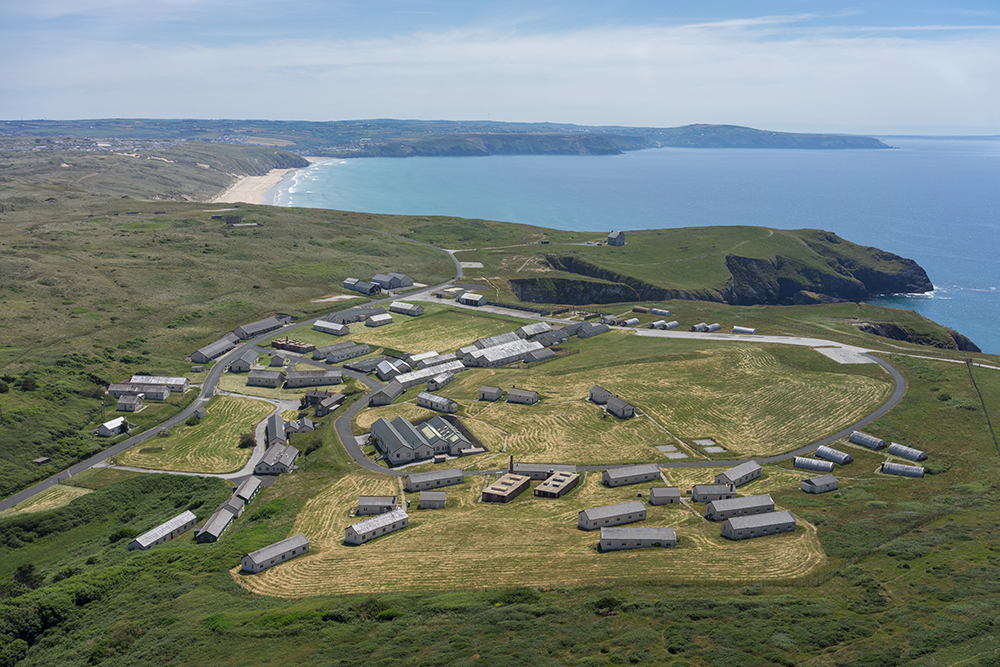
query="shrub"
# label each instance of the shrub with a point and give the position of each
(247, 441)
(121, 534)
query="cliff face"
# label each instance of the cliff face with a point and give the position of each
(954, 341)
(830, 270)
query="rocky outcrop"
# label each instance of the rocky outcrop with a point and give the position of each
(952, 341)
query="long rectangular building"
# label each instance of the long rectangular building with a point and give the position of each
(637, 474)
(413, 378)
(758, 525)
(558, 485)
(501, 355)
(318, 377)
(377, 526)
(215, 349)
(165, 532)
(178, 384)
(719, 510)
(612, 515)
(275, 554)
(420, 481)
(636, 537)
(739, 475)
(214, 527)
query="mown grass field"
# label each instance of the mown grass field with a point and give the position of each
(50, 499)
(208, 446)
(530, 542)
(753, 400)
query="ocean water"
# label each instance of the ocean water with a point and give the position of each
(935, 201)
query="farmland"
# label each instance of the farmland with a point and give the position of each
(528, 542)
(684, 390)
(208, 446)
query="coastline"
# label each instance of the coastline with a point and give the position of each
(252, 189)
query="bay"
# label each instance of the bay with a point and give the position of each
(936, 201)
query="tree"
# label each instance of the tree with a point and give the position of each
(26, 576)
(247, 441)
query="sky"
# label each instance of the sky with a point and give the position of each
(870, 67)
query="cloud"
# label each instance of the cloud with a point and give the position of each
(777, 72)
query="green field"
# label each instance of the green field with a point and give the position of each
(208, 446)
(684, 390)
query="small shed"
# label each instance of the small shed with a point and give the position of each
(665, 495)
(278, 361)
(433, 500)
(376, 504)
(488, 393)
(820, 484)
(470, 299)
(113, 427)
(378, 320)
(599, 394)
(620, 408)
(523, 396)
(130, 403)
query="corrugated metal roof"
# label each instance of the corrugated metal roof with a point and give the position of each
(421, 477)
(742, 469)
(821, 480)
(609, 511)
(416, 377)
(380, 520)
(761, 520)
(247, 487)
(749, 502)
(217, 523)
(638, 533)
(165, 528)
(629, 471)
(274, 550)
(499, 339)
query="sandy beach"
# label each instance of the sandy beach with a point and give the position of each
(251, 189)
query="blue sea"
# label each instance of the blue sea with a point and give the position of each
(936, 201)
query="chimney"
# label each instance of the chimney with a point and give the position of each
(510, 466)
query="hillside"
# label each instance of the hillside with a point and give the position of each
(886, 571)
(408, 138)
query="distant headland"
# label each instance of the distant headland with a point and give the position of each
(412, 138)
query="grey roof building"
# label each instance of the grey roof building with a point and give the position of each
(523, 396)
(275, 429)
(404, 308)
(422, 375)
(386, 394)
(275, 554)
(377, 526)
(277, 459)
(470, 299)
(254, 329)
(214, 527)
(503, 354)
(599, 394)
(637, 474)
(331, 328)
(321, 352)
(420, 481)
(129, 403)
(540, 470)
(215, 349)
(402, 441)
(664, 495)
(248, 489)
(347, 352)
(178, 384)
(376, 504)
(758, 525)
(620, 408)
(616, 238)
(379, 320)
(439, 381)
(533, 329)
(719, 510)
(433, 500)
(493, 341)
(703, 493)
(314, 377)
(820, 484)
(244, 362)
(539, 356)
(152, 392)
(739, 475)
(612, 515)
(259, 377)
(488, 393)
(165, 532)
(636, 537)
(590, 330)
(356, 314)
(425, 399)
